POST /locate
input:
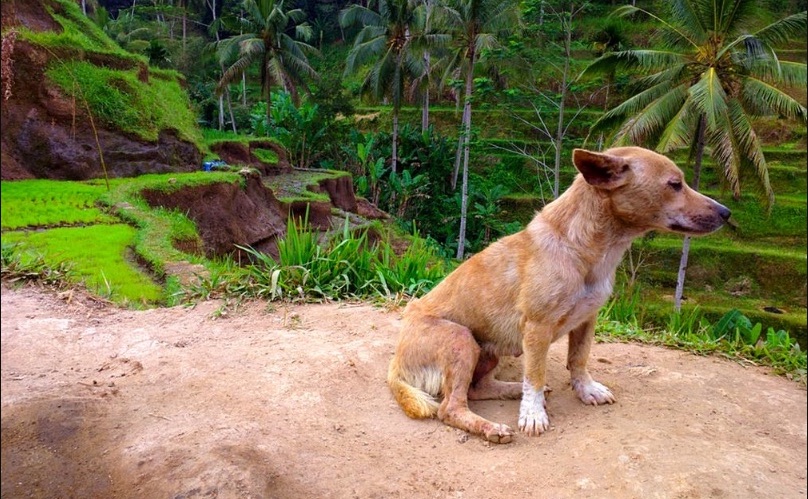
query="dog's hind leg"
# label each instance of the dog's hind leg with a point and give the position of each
(459, 360)
(485, 387)
(589, 391)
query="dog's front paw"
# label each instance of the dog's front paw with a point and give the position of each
(533, 418)
(499, 434)
(593, 393)
(533, 423)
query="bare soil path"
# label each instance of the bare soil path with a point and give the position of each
(291, 402)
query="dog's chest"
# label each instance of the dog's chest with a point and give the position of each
(591, 297)
(593, 292)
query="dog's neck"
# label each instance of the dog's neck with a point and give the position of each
(584, 217)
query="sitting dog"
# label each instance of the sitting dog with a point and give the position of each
(529, 289)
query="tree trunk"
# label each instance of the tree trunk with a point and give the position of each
(396, 106)
(221, 111)
(560, 129)
(184, 25)
(680, 279)
(425, 109)
(395, 139)
(464, 193)
(459, 154)
(244, 89)
(230, 109)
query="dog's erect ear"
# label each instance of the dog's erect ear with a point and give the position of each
(601, 170)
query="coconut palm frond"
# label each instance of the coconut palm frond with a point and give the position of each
(730, 16)
(648, 123)
(789, 74)
(751, 149)
(755, 90)
(630, 107)
(688, 15)
(725, 154)
(358, 15)
(234, 71)
(486, 41)
(361, 54)
(680, 128)
(709, 97)
(674, 73)
(644, 60)
(785, 29)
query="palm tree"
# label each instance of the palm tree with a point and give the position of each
(283, 59)
(475, 27)
(718, 69)
(392, 39)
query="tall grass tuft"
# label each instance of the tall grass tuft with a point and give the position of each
(348, 265)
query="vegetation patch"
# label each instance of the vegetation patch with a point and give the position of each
(98, 259)
(301, 185)
(733, 335)
(119, 99)
(50, 203)
(78, 34)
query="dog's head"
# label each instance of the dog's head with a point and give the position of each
(647, 191)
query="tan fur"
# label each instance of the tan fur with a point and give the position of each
(531, 288)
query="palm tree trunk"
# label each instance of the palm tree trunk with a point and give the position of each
(425, 109)
(396, 107)
(459, 154)
(267, 92)
(221, 111)
(244, 89)
(680, 279)
(395, 139)
(464, 192)
(184, 27)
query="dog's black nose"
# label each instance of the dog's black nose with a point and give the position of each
(724, 212)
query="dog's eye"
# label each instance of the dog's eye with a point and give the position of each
(676, 185)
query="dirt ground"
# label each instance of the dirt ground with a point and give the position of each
(290, 401)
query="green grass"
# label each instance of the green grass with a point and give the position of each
(47, 203)
(160, 229)
(106, 255)
(347, 265)
(118, 99)
(690, 332)
(266, 155)
(79, 34)
(98, 257)
(295, 186)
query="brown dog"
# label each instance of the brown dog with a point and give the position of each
(531, 288)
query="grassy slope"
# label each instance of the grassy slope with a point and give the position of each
(119, 98)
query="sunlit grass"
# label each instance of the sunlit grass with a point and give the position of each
(98, 257)
(45, 203)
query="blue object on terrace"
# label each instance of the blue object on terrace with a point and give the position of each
(214, 165)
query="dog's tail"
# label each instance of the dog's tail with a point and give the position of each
(415, 402)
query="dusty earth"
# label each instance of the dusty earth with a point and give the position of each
(274, 401)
